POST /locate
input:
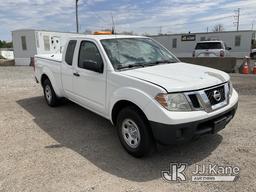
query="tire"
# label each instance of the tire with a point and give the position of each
(253, 55)
(49, 93)
(134, 133)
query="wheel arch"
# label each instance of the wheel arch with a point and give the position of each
(48, 74)
(43, 78)
(121, 104)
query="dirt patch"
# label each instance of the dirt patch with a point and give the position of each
(4, 62)
(69, 148)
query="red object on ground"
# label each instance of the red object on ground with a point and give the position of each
(245, 69)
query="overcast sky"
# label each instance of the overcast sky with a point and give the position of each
(140, 16)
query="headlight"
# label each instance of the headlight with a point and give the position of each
(173, 102)
(230, 86)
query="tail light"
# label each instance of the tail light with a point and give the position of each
(222, 53)
(193, 54)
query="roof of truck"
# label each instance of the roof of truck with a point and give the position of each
(101, 37)
(211, 41)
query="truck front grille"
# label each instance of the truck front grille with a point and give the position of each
(209, 99)
(194, 101)
(216, 95)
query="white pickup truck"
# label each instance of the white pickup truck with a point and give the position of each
(142, 88)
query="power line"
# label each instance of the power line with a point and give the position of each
(188, 23)
(98, 17)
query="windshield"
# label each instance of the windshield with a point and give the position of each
(136, 52)
(209, 45)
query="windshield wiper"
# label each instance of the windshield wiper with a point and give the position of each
(130, 66)
(163, 61)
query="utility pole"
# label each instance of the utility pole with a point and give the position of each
(160, 30)
(237, 17)
(77, 24)
(113, 24)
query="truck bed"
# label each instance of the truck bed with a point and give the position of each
(49, 64)
(52, 57)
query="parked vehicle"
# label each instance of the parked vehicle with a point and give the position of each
(142, 88)
(211, 49)
(253, 54)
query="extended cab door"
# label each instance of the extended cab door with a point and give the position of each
(67, 68)
(89, 83)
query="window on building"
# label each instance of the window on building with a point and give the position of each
(23, 43)
(37, 40)
(174, 43)
(237, 40)
(202, 39)
(70, 52)
(46, 43)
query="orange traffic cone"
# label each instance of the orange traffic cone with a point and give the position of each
(245, 69)
(254, 68)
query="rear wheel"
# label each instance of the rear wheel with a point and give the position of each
(134, 133)
(49, 93)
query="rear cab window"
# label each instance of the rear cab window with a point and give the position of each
(70, 52)
(209, 45)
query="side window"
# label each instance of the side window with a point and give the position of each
(23, 43)
(202, 39)
(37, 40)
(46, 43)
(237, 40)
(70, 52)
(174, 43)
(89, 52)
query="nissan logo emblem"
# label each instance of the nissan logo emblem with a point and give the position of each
(216, 95)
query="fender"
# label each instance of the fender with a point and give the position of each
(136, 96)
(51, 77)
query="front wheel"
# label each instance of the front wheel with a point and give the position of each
(134, 133)
(49, 93)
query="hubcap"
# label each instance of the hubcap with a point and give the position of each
(48, 93)
(131, 133)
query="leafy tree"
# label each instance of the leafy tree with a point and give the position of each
(4, 44)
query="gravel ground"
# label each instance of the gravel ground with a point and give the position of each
(71, 149)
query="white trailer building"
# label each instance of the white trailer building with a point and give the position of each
(29, 42)
(182, 45)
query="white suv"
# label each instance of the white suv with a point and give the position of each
(253, 54)
(211, 49)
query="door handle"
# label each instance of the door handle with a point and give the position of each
(76, 74)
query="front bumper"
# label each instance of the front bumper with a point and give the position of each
(175, 133)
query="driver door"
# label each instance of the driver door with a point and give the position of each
(89, 85)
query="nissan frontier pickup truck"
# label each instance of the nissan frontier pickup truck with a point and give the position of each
(143, 89)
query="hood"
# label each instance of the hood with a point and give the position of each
(177, 77)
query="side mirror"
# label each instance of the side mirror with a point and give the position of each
(93, 66)
(229, 48)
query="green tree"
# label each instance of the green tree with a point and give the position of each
(4, 44)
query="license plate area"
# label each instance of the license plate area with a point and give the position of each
(220, 124)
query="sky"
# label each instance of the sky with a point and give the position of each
(138, 16)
